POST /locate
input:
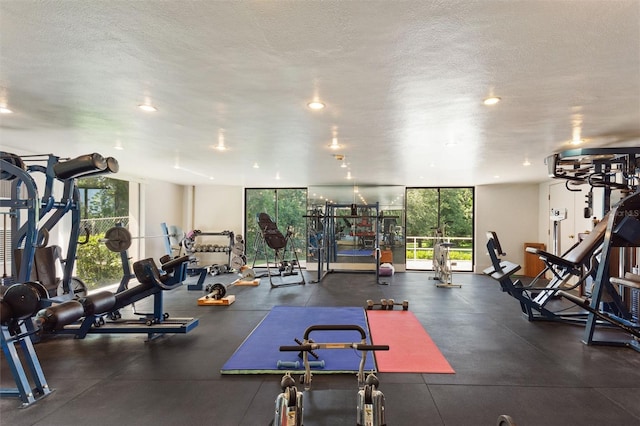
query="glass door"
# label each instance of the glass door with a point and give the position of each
(445, 210)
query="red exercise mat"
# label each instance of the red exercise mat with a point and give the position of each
(411, 350)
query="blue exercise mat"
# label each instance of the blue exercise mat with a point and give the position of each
(355, 252)
(259, 353)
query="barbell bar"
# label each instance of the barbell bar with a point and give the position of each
(118, 239)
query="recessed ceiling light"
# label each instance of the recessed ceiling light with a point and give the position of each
(526, 162)
(119, 147)
(220, 146)
(5, 110)
(256, 166)
(492, 100)
(316, 105)
(334, 144)
(147, 108)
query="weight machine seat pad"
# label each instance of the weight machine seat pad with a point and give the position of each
(266, 223)
(506, 269)
(45, 265)
(274, 239)
(580, 253)
(147, 272)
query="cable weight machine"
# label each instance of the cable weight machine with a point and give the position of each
(363, 221)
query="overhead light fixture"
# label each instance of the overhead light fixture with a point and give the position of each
(5, 110)
(315, 105)
(334, 144)
(491, 100)
(147, 108)
(256, 166)
(349, 175)
(343, 165)
(526, 162)
(221, 146)
(278, 176)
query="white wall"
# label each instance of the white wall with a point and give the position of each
(517, 213)
(512, 212)
(159, 202)
(218, 208)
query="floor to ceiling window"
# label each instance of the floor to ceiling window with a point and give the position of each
(286, 207)
(429, 209)
(104, 202)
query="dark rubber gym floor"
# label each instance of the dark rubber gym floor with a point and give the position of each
(539, 373)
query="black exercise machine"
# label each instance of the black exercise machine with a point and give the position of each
(269, 238)
(61, 318)
(604, 304)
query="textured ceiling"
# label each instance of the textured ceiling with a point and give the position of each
(403, 83)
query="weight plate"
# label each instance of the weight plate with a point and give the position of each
(118, 239)
(237, 262)
(23, 300)
(248, 274)
(39, 289)
(219, 289)
(238, 249)
(239, 238)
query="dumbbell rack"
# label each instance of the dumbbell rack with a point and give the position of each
(203, 271)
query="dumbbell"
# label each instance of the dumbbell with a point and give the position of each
(295, 365)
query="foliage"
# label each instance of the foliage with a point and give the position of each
(100, 197)
(103, 197)
(286, 206)
(432, 207)
(427, 254)
(96, 264)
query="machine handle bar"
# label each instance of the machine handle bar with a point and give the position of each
(357, 328)
(313, 346)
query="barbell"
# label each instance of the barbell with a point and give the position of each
(118, 239)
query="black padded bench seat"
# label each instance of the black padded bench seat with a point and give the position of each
(577, 255)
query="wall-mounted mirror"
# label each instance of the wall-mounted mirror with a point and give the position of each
(350, 222)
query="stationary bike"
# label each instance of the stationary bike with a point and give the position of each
(441, 261)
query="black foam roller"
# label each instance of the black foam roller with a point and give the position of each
(57, 316)
(112, 167)
(98, 303)
(12, 159)
(80, 166)
(131, 295)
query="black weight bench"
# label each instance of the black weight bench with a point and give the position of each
(60, 317)
(503, 270)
